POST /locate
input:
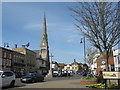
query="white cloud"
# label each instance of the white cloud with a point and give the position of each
(52, 25)
(74, 36)
(70, 41)
(33, 26)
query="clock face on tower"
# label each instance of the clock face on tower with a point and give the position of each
(43, 44)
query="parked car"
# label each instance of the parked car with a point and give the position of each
(55, 74)
(64, 74)
(90, 75)
(32, 77)
(79, 73)
(19, 75)
(59, 74)
(7, 78)
(44, 74)
(84, 74)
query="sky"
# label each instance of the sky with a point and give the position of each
(22, 22)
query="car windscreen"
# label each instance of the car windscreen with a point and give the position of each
(30, 74)
(37, 74)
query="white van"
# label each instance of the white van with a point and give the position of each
(7, 78)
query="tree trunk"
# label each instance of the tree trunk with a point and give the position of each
(106, 61)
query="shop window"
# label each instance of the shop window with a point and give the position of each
(112, 67)
(4, 62)
(119, 69)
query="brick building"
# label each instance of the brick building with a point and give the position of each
(101, 63)
(11, 60)
(6, 59)
(62, 66)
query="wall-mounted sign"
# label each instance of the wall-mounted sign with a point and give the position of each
(103, 62)
(102, 66)
(111, 75)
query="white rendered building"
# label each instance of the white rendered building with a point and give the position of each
(93, 65)
(116, 54)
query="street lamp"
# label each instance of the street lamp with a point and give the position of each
(83, 41)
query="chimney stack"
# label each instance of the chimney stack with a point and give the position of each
(15, 45)
(23, 46)
(74, 60)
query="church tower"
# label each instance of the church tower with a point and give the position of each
(44, 48)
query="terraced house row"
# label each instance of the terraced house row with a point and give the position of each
(19, 60)
(98, 62)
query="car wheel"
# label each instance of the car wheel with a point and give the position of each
(33, 81)
(22, 82)
(12, 84)
(42, 79)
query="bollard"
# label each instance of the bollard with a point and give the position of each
(105, 83)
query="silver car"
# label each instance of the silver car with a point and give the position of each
(7, 78)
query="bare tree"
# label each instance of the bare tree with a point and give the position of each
(90, 52)
(98, 22)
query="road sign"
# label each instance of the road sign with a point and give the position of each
(111, 75)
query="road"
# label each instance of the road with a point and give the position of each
(56, 82)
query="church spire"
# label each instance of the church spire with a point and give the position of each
(44, 39)
(44, 24)
(44, 49)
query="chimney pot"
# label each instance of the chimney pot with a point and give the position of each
(15, 45)
(23, 46)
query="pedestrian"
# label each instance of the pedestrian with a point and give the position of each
(96, 74)
(100, 78)
(69, 74)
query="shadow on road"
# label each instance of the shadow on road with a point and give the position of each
(16, 86)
